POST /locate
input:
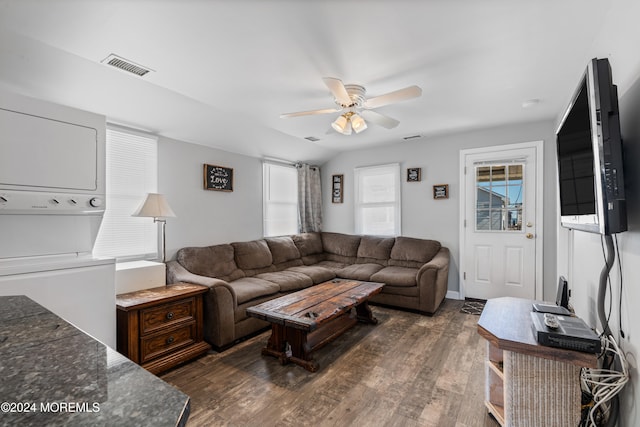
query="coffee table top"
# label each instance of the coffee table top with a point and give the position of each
(311, 307)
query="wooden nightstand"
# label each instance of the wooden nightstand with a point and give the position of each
(160, 328)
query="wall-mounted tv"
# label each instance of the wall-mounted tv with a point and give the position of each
(589, 146)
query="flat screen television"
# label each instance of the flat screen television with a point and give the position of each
(589, 147)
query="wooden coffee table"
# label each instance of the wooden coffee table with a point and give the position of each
(304, 321)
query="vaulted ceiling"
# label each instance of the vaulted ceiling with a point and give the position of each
(224, 71)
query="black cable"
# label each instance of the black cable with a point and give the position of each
(604, 256)
(615, 237)
(602, 290)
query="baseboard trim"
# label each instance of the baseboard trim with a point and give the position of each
(453, 295)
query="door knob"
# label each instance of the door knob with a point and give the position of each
(529, 235)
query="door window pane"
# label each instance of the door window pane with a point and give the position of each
(499, 197)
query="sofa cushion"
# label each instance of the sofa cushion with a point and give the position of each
(332, 265)
(341, 244)
(282, 249)
(375, 249)
(396, 276)
(211, 261)
(308, 243)
(287, 280)
(358, 271)
(252, 255)
(417, 250)
(405, 291)
(317, 273)
(249, 288)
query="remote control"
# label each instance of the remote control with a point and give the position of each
(551, 321)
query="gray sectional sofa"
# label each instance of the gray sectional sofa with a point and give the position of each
(242, 274)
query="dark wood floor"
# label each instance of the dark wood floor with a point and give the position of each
(409, 370)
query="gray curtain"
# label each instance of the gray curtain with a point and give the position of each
(309, 198)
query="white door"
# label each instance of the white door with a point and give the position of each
(500, 231)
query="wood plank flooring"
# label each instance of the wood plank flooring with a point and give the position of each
(409, 370)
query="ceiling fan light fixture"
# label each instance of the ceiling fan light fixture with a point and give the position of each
(340, 125)
(357, 123)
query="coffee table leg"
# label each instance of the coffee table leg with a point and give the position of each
(364, 313)
(300, 349)
(276, 344)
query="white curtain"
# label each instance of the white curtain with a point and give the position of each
(309, 198)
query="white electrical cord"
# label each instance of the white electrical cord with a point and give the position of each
(604, 384)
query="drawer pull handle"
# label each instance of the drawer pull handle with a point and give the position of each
(169, 315)
(170, 340)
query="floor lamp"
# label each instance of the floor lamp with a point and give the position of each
(155, 206)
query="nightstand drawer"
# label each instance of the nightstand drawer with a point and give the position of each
(153, 319)
(158, 345)
(160, 328)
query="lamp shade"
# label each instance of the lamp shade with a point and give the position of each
(155, 206)
(340, 124)
(358, 123)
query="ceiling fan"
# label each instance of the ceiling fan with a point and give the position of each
(356, 108)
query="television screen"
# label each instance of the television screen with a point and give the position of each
(589, 148)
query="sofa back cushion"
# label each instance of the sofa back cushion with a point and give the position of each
(310, 247)
(308, 243)
(375, 250)
(211, 261)
(340, 247)
(252, 256)
(411, 252)
(283, 250)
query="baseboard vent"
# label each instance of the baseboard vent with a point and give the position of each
(126, 65)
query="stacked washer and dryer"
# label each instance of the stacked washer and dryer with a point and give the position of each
(52, 201)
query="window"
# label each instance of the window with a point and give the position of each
(499, 197)
(377, 204)
(280, 196)
(132, 172)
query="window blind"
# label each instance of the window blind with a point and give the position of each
(131, 173)
(280, 200)
(377, 201)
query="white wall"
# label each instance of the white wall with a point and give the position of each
(580, 255)
(582, 258)
(205, 217)
(424, 217)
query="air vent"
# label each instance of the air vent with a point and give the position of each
(312, 138)
(407, 138)
(126, 65)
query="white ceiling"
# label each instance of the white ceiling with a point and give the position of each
(226, 70)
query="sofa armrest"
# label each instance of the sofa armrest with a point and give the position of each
(432, 280)
(177, 273)
(219, 304)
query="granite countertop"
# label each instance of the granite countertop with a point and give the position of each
(53, 374)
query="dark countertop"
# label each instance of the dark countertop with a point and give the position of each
(53, 374)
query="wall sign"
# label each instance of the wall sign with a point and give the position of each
(414, 174)
(441, 191)
(336, 188)
(218, 178)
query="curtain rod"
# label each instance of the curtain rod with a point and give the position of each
(286, 162)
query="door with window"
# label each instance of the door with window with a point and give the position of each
(501, 234)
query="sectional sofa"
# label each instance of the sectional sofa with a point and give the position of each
(242, 274)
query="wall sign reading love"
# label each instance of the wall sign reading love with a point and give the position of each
(218, 178)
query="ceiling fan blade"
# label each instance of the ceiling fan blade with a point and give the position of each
(338, 90)
(310, 112)
(379, 119)
(393, 97)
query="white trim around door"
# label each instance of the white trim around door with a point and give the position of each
(502, 152)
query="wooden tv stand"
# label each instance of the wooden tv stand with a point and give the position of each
(527, 383)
